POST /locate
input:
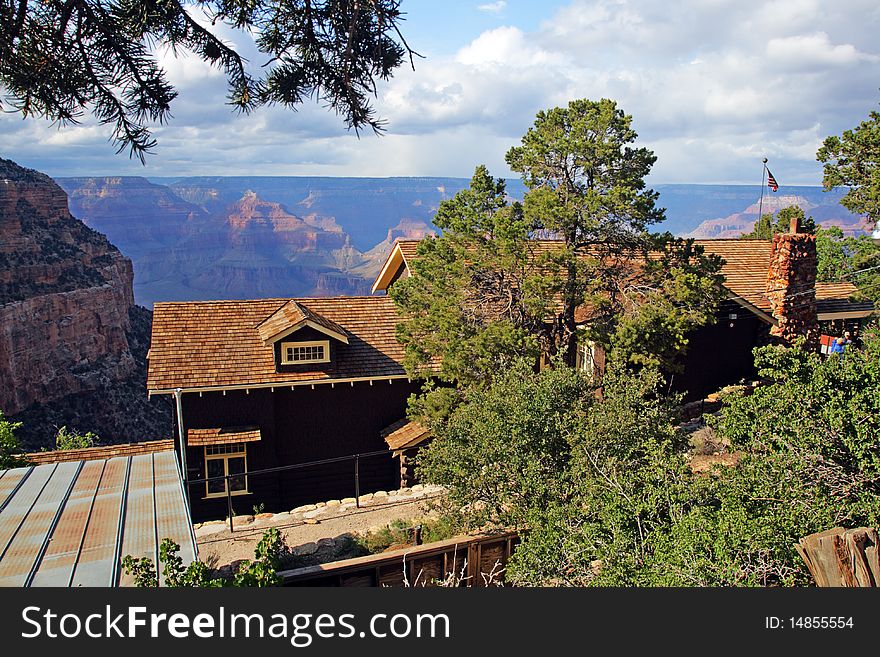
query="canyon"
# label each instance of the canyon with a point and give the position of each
(74, 308)
(72, 341)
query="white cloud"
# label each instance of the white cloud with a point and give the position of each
(493, 7)
(811, 50)
(713, 86)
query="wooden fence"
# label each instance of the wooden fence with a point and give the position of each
(460, 561)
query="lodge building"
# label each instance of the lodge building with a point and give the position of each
(271, 383)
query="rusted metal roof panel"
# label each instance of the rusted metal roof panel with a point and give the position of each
(59, 562)
(33, 531)
(173, 521)
(71, 523)
(139, 536)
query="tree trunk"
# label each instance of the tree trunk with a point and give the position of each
(842, 557)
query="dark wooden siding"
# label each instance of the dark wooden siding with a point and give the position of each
(721, 354)
(300, 426)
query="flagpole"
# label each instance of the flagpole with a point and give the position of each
(763, 178)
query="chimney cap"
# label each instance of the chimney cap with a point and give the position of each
(794, 226)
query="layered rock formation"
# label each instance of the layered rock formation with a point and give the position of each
(68, 323)
(734, 225)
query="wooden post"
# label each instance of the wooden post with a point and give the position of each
(842, 557)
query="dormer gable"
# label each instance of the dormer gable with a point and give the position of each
(396, 265)
(297, 334)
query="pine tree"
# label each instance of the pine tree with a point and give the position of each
(62, 58)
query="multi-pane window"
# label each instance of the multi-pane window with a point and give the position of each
(294, 353)
(221, 461)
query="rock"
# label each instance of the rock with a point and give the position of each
(242, 520)
(348, 500)
(71, 338)
(207, 529)
(320, 505)
(418, 487)
(326, 543)
(264, 516)
(366, 498)
(280, 517)
(304, 550)
(380, 494)
(304, 508)
(333, 503)
(315, 513)
(393, 493)
(311, 521)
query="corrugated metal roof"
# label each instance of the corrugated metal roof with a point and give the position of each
(71, 523)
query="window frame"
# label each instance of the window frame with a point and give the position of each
(285, 345)
(225, 457)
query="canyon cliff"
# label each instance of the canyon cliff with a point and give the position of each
(72, 342)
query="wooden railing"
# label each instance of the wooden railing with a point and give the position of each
(461, 561)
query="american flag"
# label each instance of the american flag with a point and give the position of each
(771, 181)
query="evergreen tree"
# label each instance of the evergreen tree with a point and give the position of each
(849, 258)
(62, 58)
(853, 160)
(487, 291)
(608, 492)
(765, 227)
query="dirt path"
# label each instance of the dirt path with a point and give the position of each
(316, 531)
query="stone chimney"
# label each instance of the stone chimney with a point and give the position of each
(791, 286)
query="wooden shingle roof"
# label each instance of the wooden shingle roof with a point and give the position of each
(746, 263)
(217, 344)
(745, 268)
(221, 435)
(293, 315)
(404, 434)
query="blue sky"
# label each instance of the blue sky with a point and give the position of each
(713, 86)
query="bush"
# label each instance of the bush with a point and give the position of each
(73, 439)
(604, 484)
(269, 555)
(10, 449)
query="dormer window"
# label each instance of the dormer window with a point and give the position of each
(300, 336)
(296, 353)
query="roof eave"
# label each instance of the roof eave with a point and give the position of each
(302, 324)
(277, 384)
(846, 314)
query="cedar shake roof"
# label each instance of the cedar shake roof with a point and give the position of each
(404, 434)
(215, 344)
(745, 268)
(220, 436)
(100, 453)
(746, 264)
(292, 316)
(835, 298)
(408, 248)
